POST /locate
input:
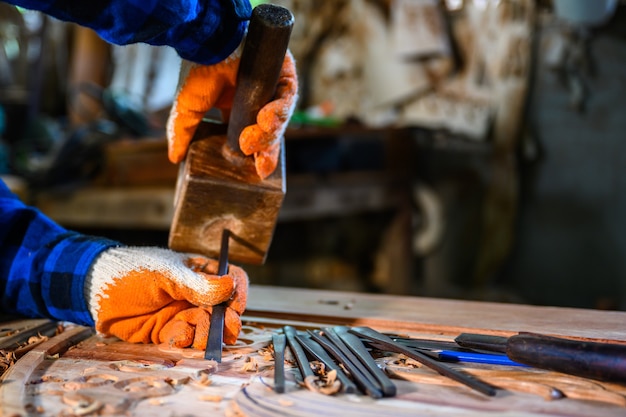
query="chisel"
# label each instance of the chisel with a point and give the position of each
(216, 326)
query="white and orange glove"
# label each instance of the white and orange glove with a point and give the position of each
(156, 295)
(204, 87)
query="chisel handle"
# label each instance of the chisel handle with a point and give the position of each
(261, 61)
(600, 361)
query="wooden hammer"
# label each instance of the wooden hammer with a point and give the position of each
(218, 188)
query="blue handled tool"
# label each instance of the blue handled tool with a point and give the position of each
(460, 356)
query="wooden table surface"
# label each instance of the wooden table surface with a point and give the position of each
(79, 373)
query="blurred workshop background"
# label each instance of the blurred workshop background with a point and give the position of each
(471, 149)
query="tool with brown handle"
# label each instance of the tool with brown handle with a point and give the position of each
(218, 188)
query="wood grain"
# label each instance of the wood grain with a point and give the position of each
(118, 378)
(217, 194)
(432, 315)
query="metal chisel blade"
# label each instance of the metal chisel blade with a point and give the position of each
(216, 327)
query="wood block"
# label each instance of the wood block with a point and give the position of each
(217, 190)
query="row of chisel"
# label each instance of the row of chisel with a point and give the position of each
(348, 352)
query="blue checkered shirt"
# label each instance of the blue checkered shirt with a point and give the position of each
(42, 265)
(203, 31)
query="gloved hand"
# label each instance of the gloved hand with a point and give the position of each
(203, 87)
(156, 295)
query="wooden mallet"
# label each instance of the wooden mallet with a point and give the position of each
(218, 188)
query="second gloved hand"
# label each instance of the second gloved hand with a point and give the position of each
(204, 87)
(145, 295)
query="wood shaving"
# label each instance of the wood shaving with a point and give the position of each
(176, 382)
(322, 385)
(405, 361)
(156, 401)
(36, 339)
(211, 398)
(250, 365)
(324, 382)
(32, 409)
(90, 381)
(286, 403)
(6, 360)
(81, 404)
(202, 378)
(136, 366)
(318, 367)
(185, 353)
(267, 354)
(234, 411)
(52, 392)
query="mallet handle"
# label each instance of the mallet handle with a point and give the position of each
(261, 60)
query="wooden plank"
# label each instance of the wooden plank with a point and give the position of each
(134, 208)
(107, 376)
(137, 162)
(417, 314)
(72, 375)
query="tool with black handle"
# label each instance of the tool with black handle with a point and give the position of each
(216, 326)
(595, 360)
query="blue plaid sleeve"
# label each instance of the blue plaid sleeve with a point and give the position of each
(42, 265)
(203, 31)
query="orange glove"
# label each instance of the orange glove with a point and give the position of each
(156, 295)
(203, 87)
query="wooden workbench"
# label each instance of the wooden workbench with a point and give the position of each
(77, 372)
